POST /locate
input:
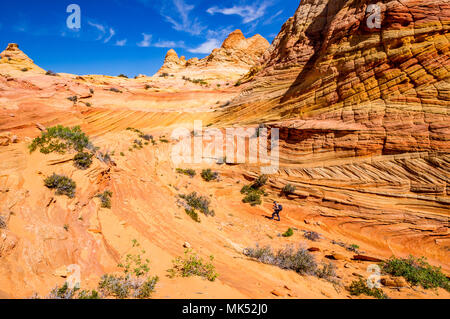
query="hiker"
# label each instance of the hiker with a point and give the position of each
(277, 208)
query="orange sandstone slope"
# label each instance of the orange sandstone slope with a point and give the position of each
(232, 60)
(364, 119)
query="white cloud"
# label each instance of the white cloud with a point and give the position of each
(99, 27)
(111, 34)
(182, 22)
(272, 18)
(206, 47)
(169, 44)
(248, 13)
(145, 43)
(121, 43)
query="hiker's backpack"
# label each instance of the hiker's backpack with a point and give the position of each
(280, 208)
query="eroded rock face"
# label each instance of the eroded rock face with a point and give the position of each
(15, 57)
(363, 114)
(236, 55)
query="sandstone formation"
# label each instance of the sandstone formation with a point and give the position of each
(15, 57)
(363, 115)
(233, 59)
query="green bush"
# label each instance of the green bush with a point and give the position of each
(288, 189)
(253, 198)
(198, 202)
(105, 198)
(192, 265)
(359, 287)
(253, 191)
(193, 214)
(288, 233)
(188, 172)
(208, 175)
(63, 185)
(260, 181)
(417, 272)
(83, 160)
(61, 139)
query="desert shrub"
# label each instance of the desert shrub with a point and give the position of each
(63, 185)
(311, 235)
(327, 272)
(253, 198)
(164, 140)
(299, 260)
(188, 172)
(105, 198)
(3, 223)
(253, 191)
(126, 286)
(88, 294)
(238, 83)
(146, 137)
(148, 86)
(73, 99)
(91, 91)
(288, 189)
(115, 90)
(198, 202)
(51, 73)
(192, 265)
(208, 175)
(83, 160)
(193, 214)
(353, 248)
(64, 292)
(288, 233)
(61, 139)
(359, 287)
(164, 75)
(417, 271)
(137, 144)
(122, 76)
(260, 181)
(24, 70)
(135, 281)
(104, 157)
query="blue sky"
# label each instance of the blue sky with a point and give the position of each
(132, 36)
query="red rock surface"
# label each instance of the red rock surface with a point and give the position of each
(363, 117)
